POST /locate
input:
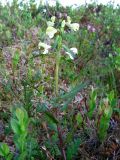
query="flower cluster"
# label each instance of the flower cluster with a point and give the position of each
(51, 31)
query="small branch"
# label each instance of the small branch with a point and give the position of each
(61, 143)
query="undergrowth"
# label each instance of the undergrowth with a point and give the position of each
(59, 82)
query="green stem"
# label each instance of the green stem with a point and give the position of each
(57, 73)
(59, 40)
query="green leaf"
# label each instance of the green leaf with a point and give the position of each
(55, 45)
(69, 137)
(15, 59)
(79, 118)
(92, 103)
(71, 93)
(20, 115)
(10, 157)
(41, 107)
(51, 117)
(72, 149)
(117, 110)
(111, 98)
(69, 51)
(104, 122)
(15, 126)
(4, 149)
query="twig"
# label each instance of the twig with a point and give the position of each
(61, 142)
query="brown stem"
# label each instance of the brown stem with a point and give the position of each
(61, 143)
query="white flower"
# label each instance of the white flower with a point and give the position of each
(45, 51)
(52, 22)
(44, 46)
(53, 18)
(74, 52)
(68, 19)
(44, 10)
(50, 31)
(74, 26)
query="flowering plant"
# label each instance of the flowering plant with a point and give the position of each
(56, 31)
(51, 31)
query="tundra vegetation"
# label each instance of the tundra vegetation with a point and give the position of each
(59, 82)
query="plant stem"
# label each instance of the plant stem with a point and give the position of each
(59, 45)
(57, 73)
(61, 143)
